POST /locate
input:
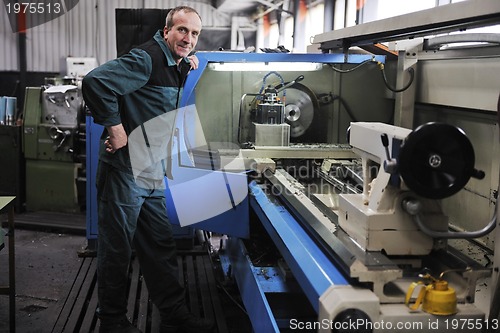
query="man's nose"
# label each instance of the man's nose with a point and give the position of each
(187, 38)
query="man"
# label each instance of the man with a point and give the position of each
(122, 95)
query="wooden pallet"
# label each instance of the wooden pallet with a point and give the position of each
(78, 312)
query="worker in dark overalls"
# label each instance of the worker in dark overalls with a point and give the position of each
(122, 95)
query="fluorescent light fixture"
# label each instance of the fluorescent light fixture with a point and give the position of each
(264, 66)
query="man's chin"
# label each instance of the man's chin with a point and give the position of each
(183, 53)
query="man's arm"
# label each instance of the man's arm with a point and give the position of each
(103, 86)
(117, 138)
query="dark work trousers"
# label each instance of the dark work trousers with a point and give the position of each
(128, 215)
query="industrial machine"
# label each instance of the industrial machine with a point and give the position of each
(357, 187)
(334, 233)
(344, 230)
(359, 252)
(54, 141)
(356, 184)
(399, 216)
(54, 144)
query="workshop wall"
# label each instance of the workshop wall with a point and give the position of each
(87, 30)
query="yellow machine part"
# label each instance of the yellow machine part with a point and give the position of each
(436, 298)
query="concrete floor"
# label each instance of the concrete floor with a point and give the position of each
(46, 265)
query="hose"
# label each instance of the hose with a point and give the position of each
(413, 206)
(381, 66)
(411, 71)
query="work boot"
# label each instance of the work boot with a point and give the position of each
(186, 323)
(121, 325)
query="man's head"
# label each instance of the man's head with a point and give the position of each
(181, 32)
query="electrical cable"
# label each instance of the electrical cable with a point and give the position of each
(381, 66)
(411, 71)
(344, 71)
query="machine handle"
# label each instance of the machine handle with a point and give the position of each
(390, 165)
(478, 174)
(420, 296)
(385, 143)
(283, 86)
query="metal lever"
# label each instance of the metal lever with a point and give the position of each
(390, 164)
(282, 86)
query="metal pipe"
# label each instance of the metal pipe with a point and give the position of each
(413, 207)
(329, 15)
(298, 25)
(346, 4)
(436, 43)
(21, 40)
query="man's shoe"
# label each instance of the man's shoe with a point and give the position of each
(117, 326)
(187, 323)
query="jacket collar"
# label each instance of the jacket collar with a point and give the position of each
(163, 45)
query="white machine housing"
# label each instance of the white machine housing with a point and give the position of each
(375, 218)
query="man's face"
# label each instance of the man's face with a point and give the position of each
(182, 37)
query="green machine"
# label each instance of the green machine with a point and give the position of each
(54, 148)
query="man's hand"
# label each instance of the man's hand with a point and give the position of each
(193, 61)
(117, 138)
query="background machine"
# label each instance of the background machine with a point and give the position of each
(54, 144)
(54, 141)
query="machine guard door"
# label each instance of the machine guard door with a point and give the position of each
(200, 192)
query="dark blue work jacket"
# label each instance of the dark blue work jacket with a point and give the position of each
(132, 89)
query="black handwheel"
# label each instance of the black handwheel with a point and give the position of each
(436, 160)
